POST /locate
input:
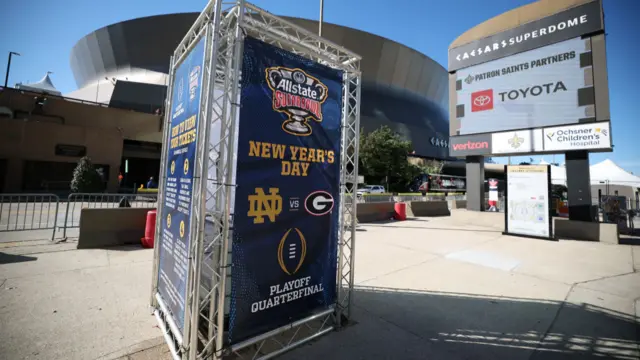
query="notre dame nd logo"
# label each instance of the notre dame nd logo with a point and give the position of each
(261, 205)
(298, 95)
(292, 250)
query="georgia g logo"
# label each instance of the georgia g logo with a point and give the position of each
(319, 203)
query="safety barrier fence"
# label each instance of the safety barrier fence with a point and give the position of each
(48, 212)
(76, 202)
(372, 198)
(20, 212)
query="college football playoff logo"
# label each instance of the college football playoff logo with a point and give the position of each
(319, 203)
(298, 95)
(180, 89)
(292, 250)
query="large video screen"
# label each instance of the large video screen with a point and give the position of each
(547, 86)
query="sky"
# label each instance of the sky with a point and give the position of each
(44, 31)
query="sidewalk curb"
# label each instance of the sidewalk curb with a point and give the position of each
(124, 353)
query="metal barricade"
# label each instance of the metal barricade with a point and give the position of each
(374, 198)
(79, 201)
(22, 212)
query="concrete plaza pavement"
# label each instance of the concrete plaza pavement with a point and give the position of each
(438, 288)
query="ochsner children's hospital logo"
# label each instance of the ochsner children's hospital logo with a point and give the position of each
(298, 95)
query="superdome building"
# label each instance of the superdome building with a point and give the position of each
(126, 65)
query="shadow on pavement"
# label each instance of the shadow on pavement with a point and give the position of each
(377, 224)
(629, 240)
(125, 248)
(408, 324)
(13, 259)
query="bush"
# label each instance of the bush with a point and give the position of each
(383, 159)
(85, 177)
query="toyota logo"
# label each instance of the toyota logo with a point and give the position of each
(482, 100)
(319, 203)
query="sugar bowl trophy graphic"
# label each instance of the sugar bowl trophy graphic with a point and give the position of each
(298, 95)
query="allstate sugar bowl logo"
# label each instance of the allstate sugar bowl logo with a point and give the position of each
(298, 95)
(194, 76)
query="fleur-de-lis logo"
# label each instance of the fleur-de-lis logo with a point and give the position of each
(516, 141)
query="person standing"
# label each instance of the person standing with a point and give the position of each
(151, 184)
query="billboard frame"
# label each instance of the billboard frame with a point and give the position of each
(583, 20)
(206, 307)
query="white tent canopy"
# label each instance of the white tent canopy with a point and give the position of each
(608, 172)
(43, 86)
(558, 175)
(605, 172)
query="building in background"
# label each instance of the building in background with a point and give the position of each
(122, 71)
(44, 135)
(127, 64)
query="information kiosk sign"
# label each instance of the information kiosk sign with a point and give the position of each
(528, 201)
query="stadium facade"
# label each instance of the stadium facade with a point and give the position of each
(115, 116)
(402, 88)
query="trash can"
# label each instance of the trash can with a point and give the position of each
(149, 230)
(400, 211)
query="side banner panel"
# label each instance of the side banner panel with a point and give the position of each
(288, 182)
(175, 237)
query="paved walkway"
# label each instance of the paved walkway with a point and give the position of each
(438, 288)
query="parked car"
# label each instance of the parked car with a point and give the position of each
(371, 189)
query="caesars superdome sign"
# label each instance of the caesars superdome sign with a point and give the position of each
(571, 23)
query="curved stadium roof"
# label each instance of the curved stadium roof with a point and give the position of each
(402, 88)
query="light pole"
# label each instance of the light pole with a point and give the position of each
(321, 17)
(6, 79)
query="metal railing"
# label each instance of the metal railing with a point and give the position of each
(374, 198)
(77, 202)
(21, 212)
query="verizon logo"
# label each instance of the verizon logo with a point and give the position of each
(470, 145)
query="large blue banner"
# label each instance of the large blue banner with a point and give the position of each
(177, 191)
(285, 226)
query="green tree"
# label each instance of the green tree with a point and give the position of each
(383, 160)
(432, 167)
(85, 177)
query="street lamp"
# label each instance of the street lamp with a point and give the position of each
(6, 79)
(321, 16)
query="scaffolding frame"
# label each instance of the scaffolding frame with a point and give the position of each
(227, 23)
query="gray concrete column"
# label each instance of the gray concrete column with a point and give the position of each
(475, 183)
(578, 185)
